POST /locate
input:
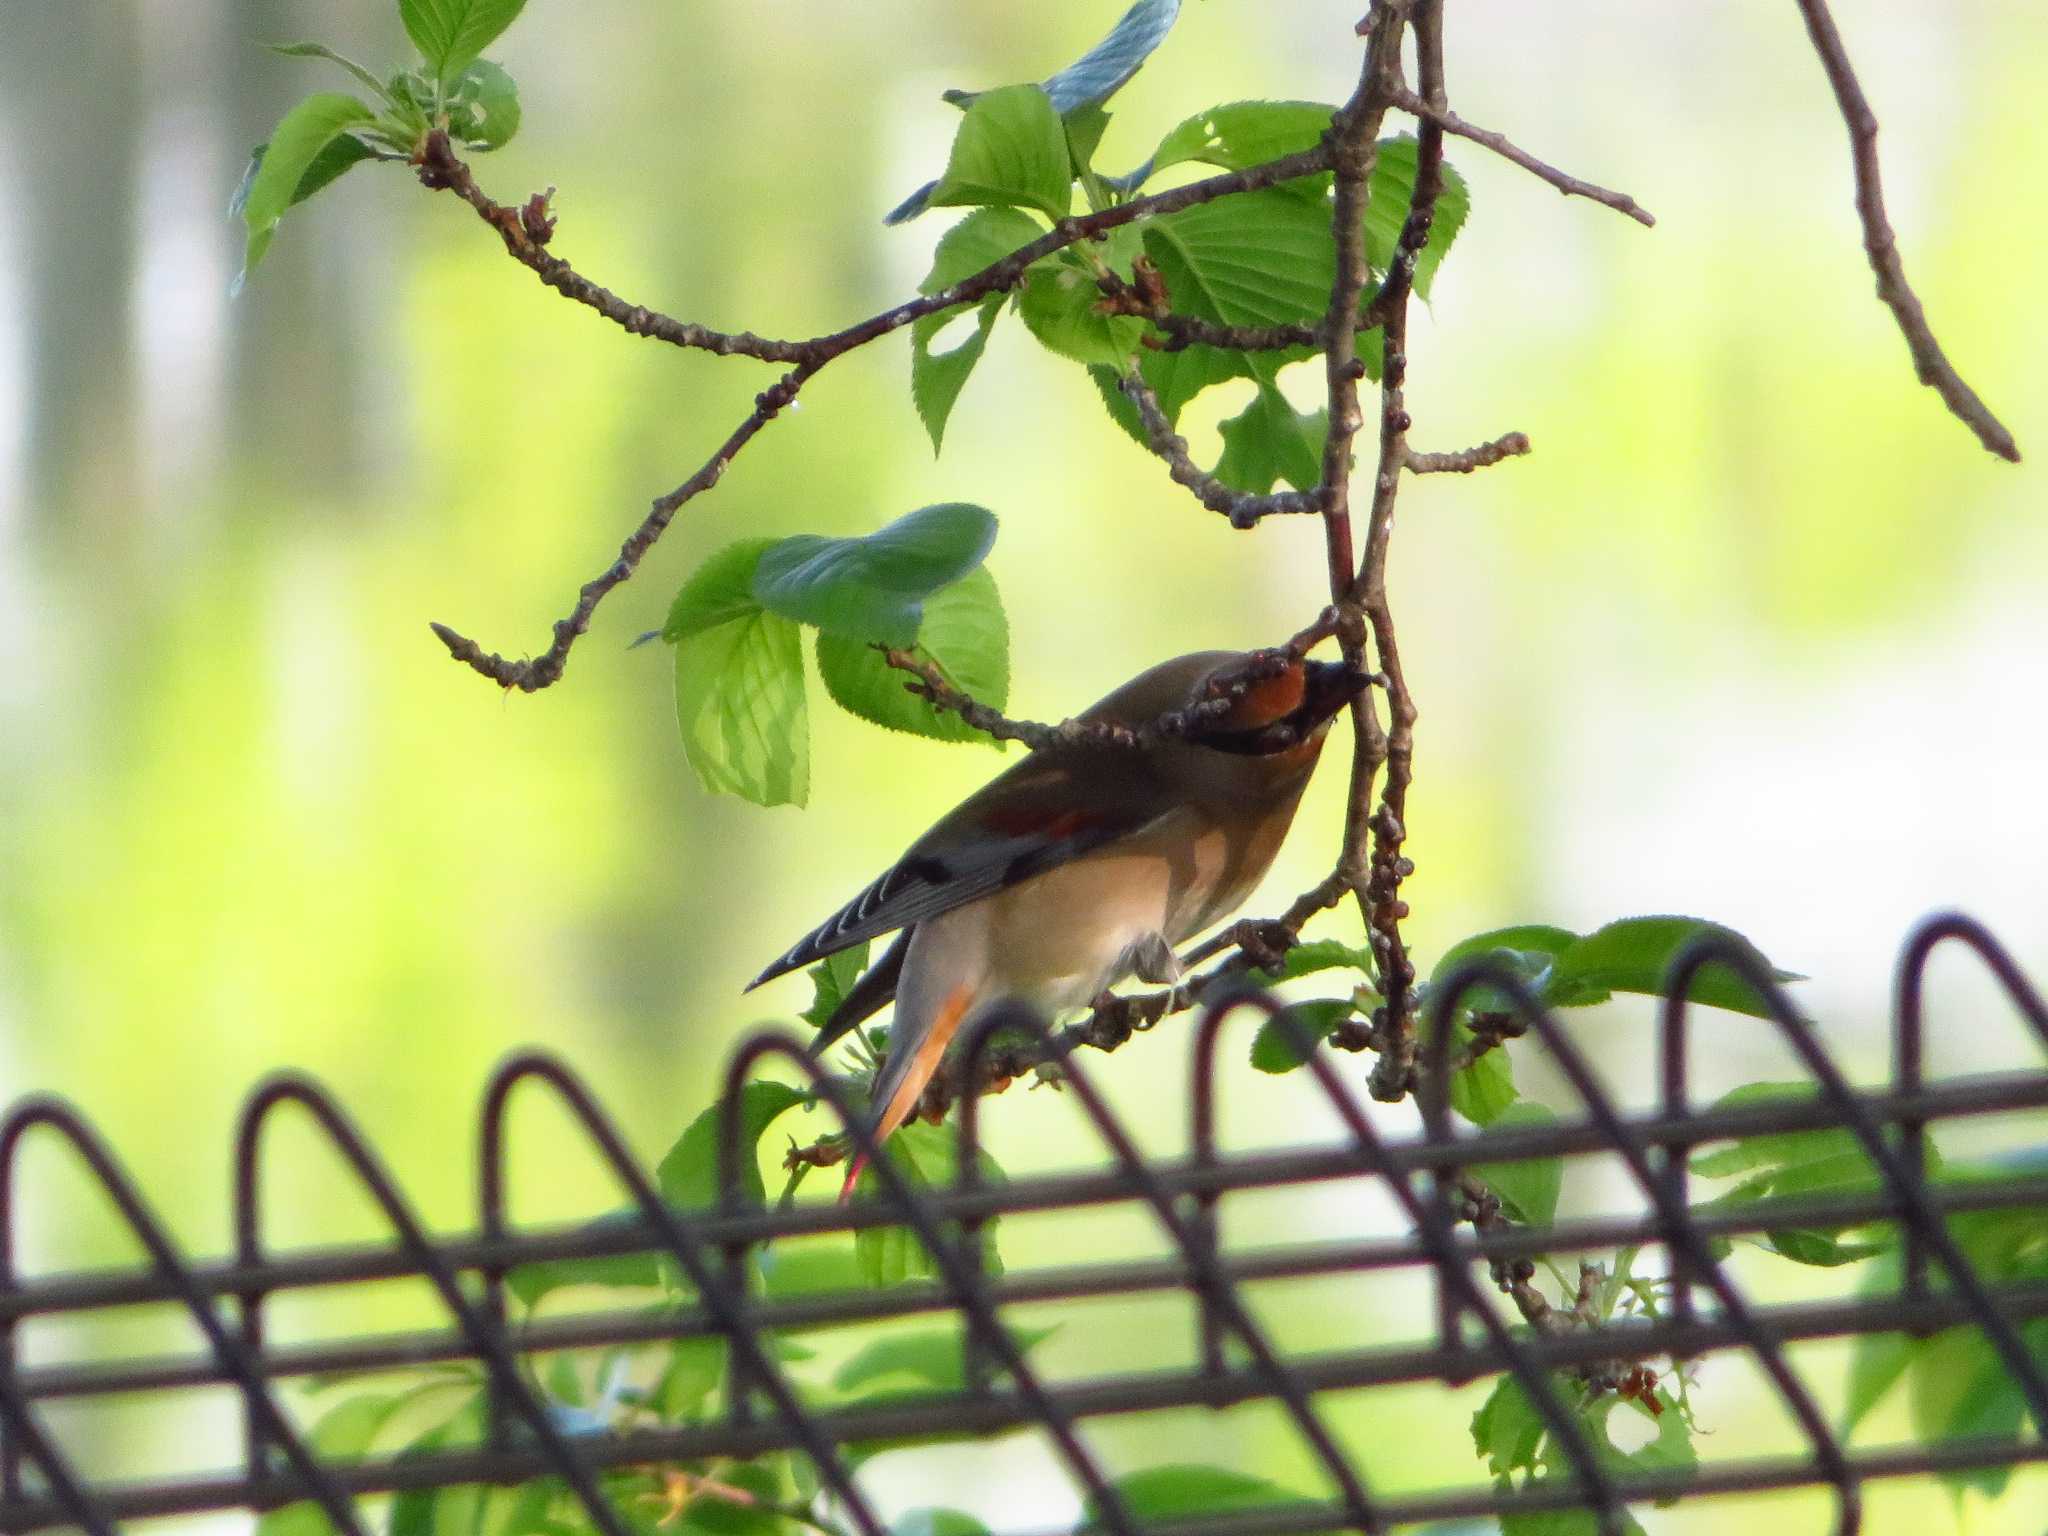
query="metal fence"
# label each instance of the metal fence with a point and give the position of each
(1236, 1361)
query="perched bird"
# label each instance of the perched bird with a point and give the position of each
(1081, 865)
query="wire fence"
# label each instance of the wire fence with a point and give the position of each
(1234, 1358)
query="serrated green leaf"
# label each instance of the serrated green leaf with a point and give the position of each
(1285, 1040)
(1058, 304)
(1314, 955)
(964, 632)
(1011, 152)
(451, 33)
(831, 979)
(483, 107)
(296, 144)
(688, 1174)
(1529, 1188)
(339, 156)
(1104, 69)
(739, 683)
(873, 588)
(928, 1360)
(1269, 441)
(1392, 188)
(1634, 955)
(1507, 1429)
(1242, 134)
(1085, 127)
(980, 240)
(322, 51)
(1529, 952)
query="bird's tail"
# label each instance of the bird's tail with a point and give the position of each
(910, 1065)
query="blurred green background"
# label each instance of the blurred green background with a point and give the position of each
(1755, 634)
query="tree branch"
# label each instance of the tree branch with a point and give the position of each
(1508, 445)
(1571, 186)
(1930, 363)
(1243, 508)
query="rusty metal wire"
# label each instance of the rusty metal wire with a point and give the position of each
(1237, 1361)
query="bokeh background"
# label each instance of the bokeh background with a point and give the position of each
(1755, 634)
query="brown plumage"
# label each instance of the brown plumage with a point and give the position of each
(1079, 866)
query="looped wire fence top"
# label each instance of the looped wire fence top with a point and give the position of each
(1231, 1362)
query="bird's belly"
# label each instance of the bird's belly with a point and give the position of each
(1059, 939)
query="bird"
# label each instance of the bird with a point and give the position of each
(1087, 862)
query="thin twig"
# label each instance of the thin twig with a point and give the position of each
(531, 675)
(1508, 445)
(1930, 363)
(1570, 186)
(1220, 694)
(1244, 508)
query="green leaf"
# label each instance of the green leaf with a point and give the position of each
(1285, 1040)
(1269, 441)
(1507, 1429)
(454, 1511)
(483, 107)
(1261, 258)
(937, 1522)
(1176, 1492)
(1104, 69)
(1875, 1367)
(688, 1174)
(1010, 152)
(1959, 1389)
(343, 1433)
(928, 1158)
(964, 632)
(929, 1360)
(795, 1267)
(451, 33)
(695, 1368)
(322, 51)
(1798, 1163)
(532, 1282)
(1634, 955)
(1085, 127)
(1058, 306)
(1386, 211)
(1528, 1188)
(873, 588)
(739, 683)
(1529, 952)
(831, 979)
(1313, 956)
(1483, 1091)
(980, 240)
(1243, 134)
(296, 144)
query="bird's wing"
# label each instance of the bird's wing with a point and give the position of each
(1030, 819)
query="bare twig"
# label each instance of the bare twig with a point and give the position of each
(1243, 508)
(535, 673)
(1930, 363)
(1570, 186)
(1507, 446)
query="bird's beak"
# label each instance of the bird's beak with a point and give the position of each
(1329, 686)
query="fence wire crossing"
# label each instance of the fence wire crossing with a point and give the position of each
(1236, 1360)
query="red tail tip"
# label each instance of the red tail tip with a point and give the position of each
(853, 1172)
